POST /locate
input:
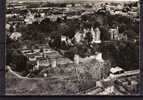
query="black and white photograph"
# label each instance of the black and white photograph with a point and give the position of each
(72, 47)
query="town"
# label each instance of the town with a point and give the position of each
(83, 48)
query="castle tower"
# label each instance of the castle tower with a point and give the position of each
(97, 33)
(93, 34)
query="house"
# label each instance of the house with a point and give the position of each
(15, 35)
(77, 5)
(97, 35)
(43, 62)
(99, 57)
(115, 71)
(114, 33)
(25, 51)
(63, 38)
(42, 15)
(11, 15)
(69, 5)
(29, 18)
(133, 14)
(122, 37)
(7, 26)
(119, 6)
(36, 50)
(78, 37)
(32, 58)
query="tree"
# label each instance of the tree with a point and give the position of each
(47, 26)
(122, 28)
(17, 59)
(104, 33)
(63, 29)
(88, 37)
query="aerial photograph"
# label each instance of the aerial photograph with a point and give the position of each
(72, 47)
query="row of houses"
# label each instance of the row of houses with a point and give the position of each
(40, 57)
(115, 35)
(123, 10)
(96, 35)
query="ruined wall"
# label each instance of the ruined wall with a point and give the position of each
(97, 70)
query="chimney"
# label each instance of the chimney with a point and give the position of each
(98, 33)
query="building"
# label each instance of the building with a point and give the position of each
(114, 32)
(43, 62)
(15, 35)
(78, 37)
(115, 35)
(97, 35)
(115, 71)
(69, 5)
(29, 18)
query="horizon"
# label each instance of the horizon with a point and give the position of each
(73, 1)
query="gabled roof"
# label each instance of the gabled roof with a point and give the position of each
(116, 69)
